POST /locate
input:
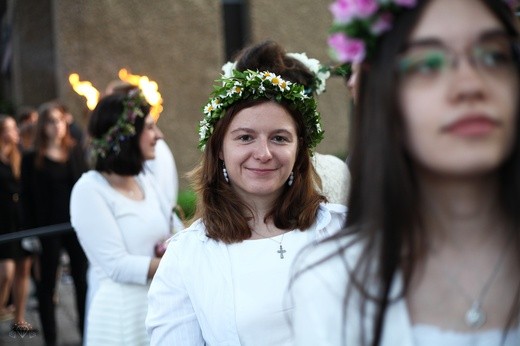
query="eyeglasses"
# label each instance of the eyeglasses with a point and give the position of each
(431, 61)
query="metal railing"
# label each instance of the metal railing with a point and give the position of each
(44, 231)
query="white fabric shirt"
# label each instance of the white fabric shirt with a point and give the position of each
(317, 318)
(118, 234)
(250, 279)
(192, 298)
(164, 169)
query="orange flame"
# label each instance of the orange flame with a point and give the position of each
(85, 89)
(149, 88)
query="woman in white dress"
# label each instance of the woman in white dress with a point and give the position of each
(120, 215)
(431, 251)
(223, 280)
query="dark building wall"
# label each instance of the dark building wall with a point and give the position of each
(33, 62)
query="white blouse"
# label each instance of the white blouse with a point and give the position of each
(426, 335)
(250, 279)
(200, 293)
(318, 316)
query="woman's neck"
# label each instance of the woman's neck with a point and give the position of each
(464, 212)
(119, 180)
(125, 184)
(55, 150)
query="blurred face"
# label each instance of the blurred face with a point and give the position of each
(55, 125)
(459, 90)
(259, 150)
(149, 137)
(10, 133)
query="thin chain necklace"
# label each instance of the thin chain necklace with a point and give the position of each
(281, 251)
(475, 317)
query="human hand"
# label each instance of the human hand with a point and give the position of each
(160, 248)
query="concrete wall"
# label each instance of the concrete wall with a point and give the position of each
(301, 26)
(177, 43)
(33, 63)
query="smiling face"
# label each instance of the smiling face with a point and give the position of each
(149, 137)
(259, 151)
(459, 90)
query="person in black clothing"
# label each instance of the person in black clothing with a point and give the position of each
(15, 261)
(48, 175)
(75, 130)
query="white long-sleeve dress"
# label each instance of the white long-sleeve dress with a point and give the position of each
(118, 235)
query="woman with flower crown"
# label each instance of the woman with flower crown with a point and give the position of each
(223, 280)
(120, 215)
(431, 251)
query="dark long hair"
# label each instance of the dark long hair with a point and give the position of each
(384, 197)
(129, 160)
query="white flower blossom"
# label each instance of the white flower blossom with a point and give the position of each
(209, 108)
(227, 69)
(203, 129)
(314, 66)
(216, 103)
(236, 89)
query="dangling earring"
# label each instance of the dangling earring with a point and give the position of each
(224, 171)
(291, 179)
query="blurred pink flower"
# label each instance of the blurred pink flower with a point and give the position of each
(342, 10)
(365, 8)
(383, 23)
(347, 49)
(345, 10)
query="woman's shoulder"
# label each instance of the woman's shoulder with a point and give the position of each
(334, 208)
(330, 218)
(195, 234)
(329, 261)
(190, 242)
(91, 177)
(90, 180)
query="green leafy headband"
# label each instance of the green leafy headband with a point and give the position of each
(123, 128)
(321, 72)
(251, 85)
